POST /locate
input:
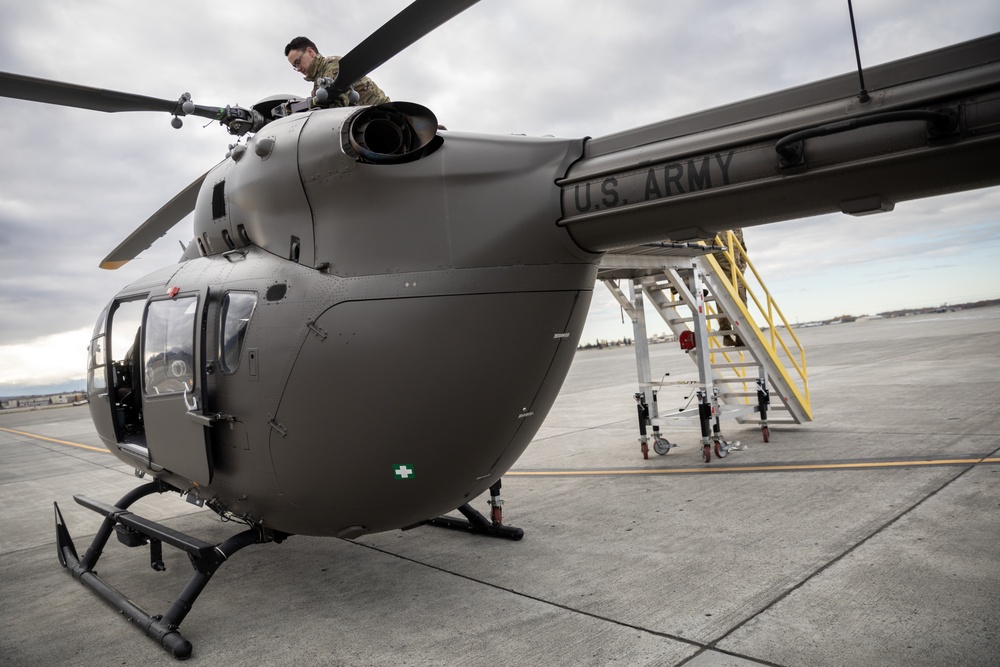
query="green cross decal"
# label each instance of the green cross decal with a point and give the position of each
(403, 471)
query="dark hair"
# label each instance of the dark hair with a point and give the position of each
(300, 43)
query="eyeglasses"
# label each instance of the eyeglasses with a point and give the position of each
(298, 61)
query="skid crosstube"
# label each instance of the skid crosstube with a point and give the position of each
(477, 524)
(135, 530)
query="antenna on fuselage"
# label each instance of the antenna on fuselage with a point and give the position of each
(863, 97)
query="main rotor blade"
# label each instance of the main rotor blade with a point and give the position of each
(420, 18)
(29, 88)
(156, 226)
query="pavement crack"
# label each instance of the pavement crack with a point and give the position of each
(534, 598)
(713, 645)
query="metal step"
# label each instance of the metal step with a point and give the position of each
(777, 406)
(736, 364)
(756, 420)
(192, 545)
(686, 320)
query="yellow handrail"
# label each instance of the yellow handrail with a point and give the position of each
(731, 280)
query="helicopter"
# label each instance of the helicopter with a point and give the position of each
(249, 376)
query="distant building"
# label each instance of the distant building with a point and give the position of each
(72, 398)
(34, 401)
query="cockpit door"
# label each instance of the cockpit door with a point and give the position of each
(173, 347)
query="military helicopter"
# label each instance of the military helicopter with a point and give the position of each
(248, 376)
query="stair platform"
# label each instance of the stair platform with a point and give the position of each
(694, 295)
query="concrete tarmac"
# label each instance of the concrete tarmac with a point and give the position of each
(868, 537)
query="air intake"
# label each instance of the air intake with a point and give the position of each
(391, 133)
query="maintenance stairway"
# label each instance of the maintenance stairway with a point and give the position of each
(729, 325)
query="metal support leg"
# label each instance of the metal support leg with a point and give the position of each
(496, 504)
(180, 607)
(763, 401)
(709, 408)
(643, 370)
(643, 410)
(707, 403)
(156, 555)
(654, 413)
(705, 419)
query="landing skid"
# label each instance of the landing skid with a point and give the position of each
(478, 524)
(133, 531)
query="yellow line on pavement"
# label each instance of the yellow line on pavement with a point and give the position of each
(61, 442)
(657, 471)
(764, 468)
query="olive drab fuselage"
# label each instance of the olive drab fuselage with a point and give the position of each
(400, 351)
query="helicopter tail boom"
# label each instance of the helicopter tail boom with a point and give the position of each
(932, 127)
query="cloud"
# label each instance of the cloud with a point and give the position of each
(46, 359)
(74, 183)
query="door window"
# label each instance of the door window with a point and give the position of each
(168, 351)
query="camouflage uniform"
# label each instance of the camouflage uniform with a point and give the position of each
(329, 66)
(741, 265)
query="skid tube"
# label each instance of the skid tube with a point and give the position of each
(134, 530)
(478, 524)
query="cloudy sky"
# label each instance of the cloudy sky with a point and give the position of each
(74, 183)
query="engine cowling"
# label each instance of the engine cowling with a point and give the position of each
(391, 133)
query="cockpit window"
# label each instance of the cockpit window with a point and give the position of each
(96, 378)
(168, 352)
(237, 309)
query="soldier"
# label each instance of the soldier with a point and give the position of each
(303, 55)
